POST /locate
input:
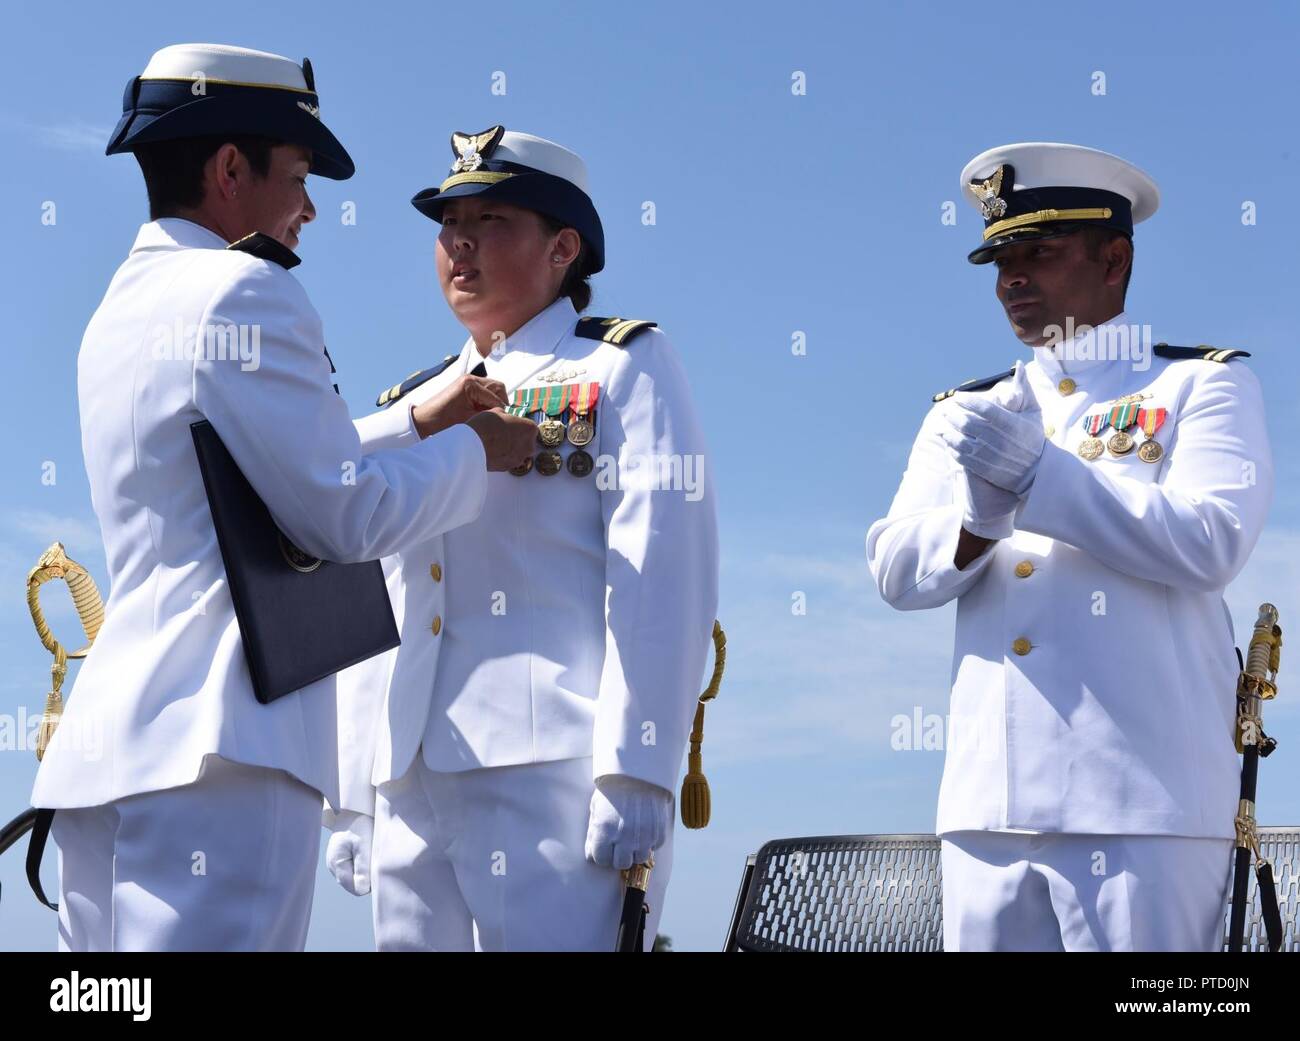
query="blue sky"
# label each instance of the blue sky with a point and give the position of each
(775, 213)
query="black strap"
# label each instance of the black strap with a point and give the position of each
(631, 923)
(18, 827)
(1268, 905)
(36, 849)
(331, 361)
(479, 370)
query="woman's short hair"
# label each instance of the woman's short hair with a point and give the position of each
(173, 170)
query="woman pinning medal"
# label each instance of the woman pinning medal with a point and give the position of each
(528, 734)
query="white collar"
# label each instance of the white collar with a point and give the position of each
(176, 233)
(538, 335)
(1116, 340)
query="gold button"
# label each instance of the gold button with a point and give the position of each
(1066, 386)
(1049, 430)
(1021, 645)
(437, 624)
(436, 572)
(1024, 569)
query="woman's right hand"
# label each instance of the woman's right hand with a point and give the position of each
(507, 440)
(347, 854)
(465, 397)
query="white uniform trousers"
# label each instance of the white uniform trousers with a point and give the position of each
(493, 859)
(226, 863)
(1074, 892)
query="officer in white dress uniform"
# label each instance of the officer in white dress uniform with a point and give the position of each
(552, 651)
(188, 813)
(1086, 509)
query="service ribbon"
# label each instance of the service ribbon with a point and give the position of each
(1150, 419)
(1122, 416)
(583, 398)
(553, 398)
(1095, 423)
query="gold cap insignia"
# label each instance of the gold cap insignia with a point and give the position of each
(991, 206)
(472, 149)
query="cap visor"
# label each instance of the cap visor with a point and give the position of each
(226, 114)
(983, 254)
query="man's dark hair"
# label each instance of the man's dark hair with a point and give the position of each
(173, 170)
(575, 285)
(1096, 239)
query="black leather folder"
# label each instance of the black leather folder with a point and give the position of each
(301, 618)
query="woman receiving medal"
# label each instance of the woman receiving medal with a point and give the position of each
(528, 734)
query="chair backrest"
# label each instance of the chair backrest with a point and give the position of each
(842, 893)
(885, 893)
(1282, 847)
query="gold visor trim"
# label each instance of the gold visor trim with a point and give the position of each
(473, 177)
(1090, 213)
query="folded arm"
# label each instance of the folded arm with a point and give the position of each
(915, 550)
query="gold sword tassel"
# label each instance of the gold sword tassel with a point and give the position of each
(697, 802)
(55, 563)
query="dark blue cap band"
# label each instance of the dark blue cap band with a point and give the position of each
(167, 109)
(532, 189)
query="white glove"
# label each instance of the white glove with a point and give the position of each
(347, 854)
(1013, 394)
(629, 818)
(990, 511)
(999, 436)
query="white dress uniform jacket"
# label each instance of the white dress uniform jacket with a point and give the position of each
(1119, 715)
(167, 682)
(568, 619)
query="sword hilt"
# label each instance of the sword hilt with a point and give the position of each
(55, 563)
(1257, 681)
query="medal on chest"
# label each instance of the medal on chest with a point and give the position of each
(1149, 420)
(583, 404)
(550, 429)
(1121, 417)
(1122, 414)
(1091, 446)
(562, 412)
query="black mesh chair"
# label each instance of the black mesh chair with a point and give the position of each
(885, 893)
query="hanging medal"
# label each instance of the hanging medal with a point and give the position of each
(1150, 420)
(519, 407)
(1121, 418)
(550, 431)
(580, 462)
(582, 429)
(1091, 447)
(549, 462)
